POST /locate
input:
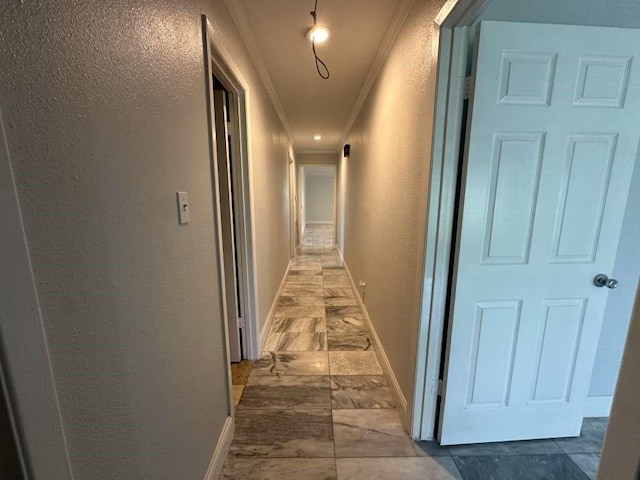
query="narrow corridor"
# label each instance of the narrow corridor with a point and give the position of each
(317, 405)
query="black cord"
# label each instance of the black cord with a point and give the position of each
(319, 63)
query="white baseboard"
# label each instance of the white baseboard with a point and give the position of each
(318, 223)
(267, 324)
(398, 396)
(598, 406)
(222, 448)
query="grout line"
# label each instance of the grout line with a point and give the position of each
(329, 262)
(331, 408)
(333, 428)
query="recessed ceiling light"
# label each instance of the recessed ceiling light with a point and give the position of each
(318, 34)
(317, 137)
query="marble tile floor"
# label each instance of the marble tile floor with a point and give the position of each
(316, 405)
(317, 237)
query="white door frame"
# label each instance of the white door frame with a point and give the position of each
(219, 63)
(455, 18)
(293, 202)
(335, 196)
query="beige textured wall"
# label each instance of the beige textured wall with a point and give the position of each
(270, 181)
(384, 187)
(105, 114)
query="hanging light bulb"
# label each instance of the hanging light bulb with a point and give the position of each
(318, 34)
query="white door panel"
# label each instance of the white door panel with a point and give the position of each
(554, 134)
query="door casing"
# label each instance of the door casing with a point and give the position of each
(219, 63)
(300, 179)
(455, 18)
(293, 201)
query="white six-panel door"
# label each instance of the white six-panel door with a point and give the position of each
(554, 133)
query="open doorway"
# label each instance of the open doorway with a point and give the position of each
(228, 200)
(564, 324)
(550, 238)
(317, 193)
(227, 105)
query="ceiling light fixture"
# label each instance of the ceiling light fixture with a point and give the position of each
(318, 34)
(317, 137)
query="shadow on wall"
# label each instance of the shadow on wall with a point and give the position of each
(9, 459)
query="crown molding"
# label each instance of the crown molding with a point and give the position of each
(390, 36)
(458, 13)
(241, 20)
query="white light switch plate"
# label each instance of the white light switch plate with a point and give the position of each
(183, 208)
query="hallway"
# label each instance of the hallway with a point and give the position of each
(317, 405)
(161, 161)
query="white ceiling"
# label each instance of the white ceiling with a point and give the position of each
(275, 31)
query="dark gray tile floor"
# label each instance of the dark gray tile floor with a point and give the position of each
(317, 406)
(521, 467)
